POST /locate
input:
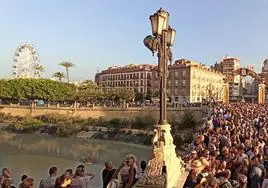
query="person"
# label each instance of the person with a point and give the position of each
(6, 183)
(23, 177)
(28, 183)
(191, 180)
(63, 181)
(143, 166)
(81, 179)
(76, 180)
(120, 176)
(5, 175)
(50, 181)
(69, 173)
(131, 180)
(107, 173)
(224, 179)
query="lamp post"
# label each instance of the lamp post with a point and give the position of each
(164, 154)
(161, 41)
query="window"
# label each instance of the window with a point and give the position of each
(130, 76)
(176, 91)
(176, 82)
(127, 76)
(169, 83)
(141, 82)
(176, 74)
(183, 73)
(127, 83)
(193, 74)
(184, 83)
(141, 75)
(176, 99)
(141, 90)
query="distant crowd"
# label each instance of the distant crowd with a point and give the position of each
(125, 176)
(231, 150)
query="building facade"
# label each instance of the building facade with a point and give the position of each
(264, 72)
(226, 66)
(190, 82)
(135, 77)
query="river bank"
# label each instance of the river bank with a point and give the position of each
(137, 131)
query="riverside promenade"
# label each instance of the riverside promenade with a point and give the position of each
(97, 112)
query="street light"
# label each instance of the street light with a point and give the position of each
(171, 36)
(157, 22)
(161, 41)
(164, 153)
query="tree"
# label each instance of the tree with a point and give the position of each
(29, 88)
(87, 91)
(188, 120)
(67, 65)
(139, 97)
(59, 75)
(38, 69)
(148, 95)
(126, 94)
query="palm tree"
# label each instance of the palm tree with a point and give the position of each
(38, 69)
(59, 75)
(67, 65)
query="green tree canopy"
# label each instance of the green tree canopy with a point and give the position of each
(35, 89)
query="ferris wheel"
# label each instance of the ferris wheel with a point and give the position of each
(25, 61)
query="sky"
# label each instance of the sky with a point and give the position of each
(96, 34)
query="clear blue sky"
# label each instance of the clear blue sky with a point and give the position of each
(99, 33)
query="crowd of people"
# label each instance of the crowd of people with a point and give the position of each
(126, 175)
(80, 179)
(230, 150)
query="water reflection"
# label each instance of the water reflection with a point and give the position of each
(35, 153)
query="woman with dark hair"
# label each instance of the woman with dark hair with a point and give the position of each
(23, 177)
(132, 178)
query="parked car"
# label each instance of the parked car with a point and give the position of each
(40, 102)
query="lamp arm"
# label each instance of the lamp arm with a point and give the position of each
(169, 55)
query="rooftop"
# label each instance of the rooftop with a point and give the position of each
(128, 68)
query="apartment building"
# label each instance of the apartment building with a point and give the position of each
(264, 72)
(191, 82)
(135, 77)
(226, 66)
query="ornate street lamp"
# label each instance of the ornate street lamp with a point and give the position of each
(157, 22)
(164, 154)
(163, 39)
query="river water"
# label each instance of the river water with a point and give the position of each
(33, 154)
